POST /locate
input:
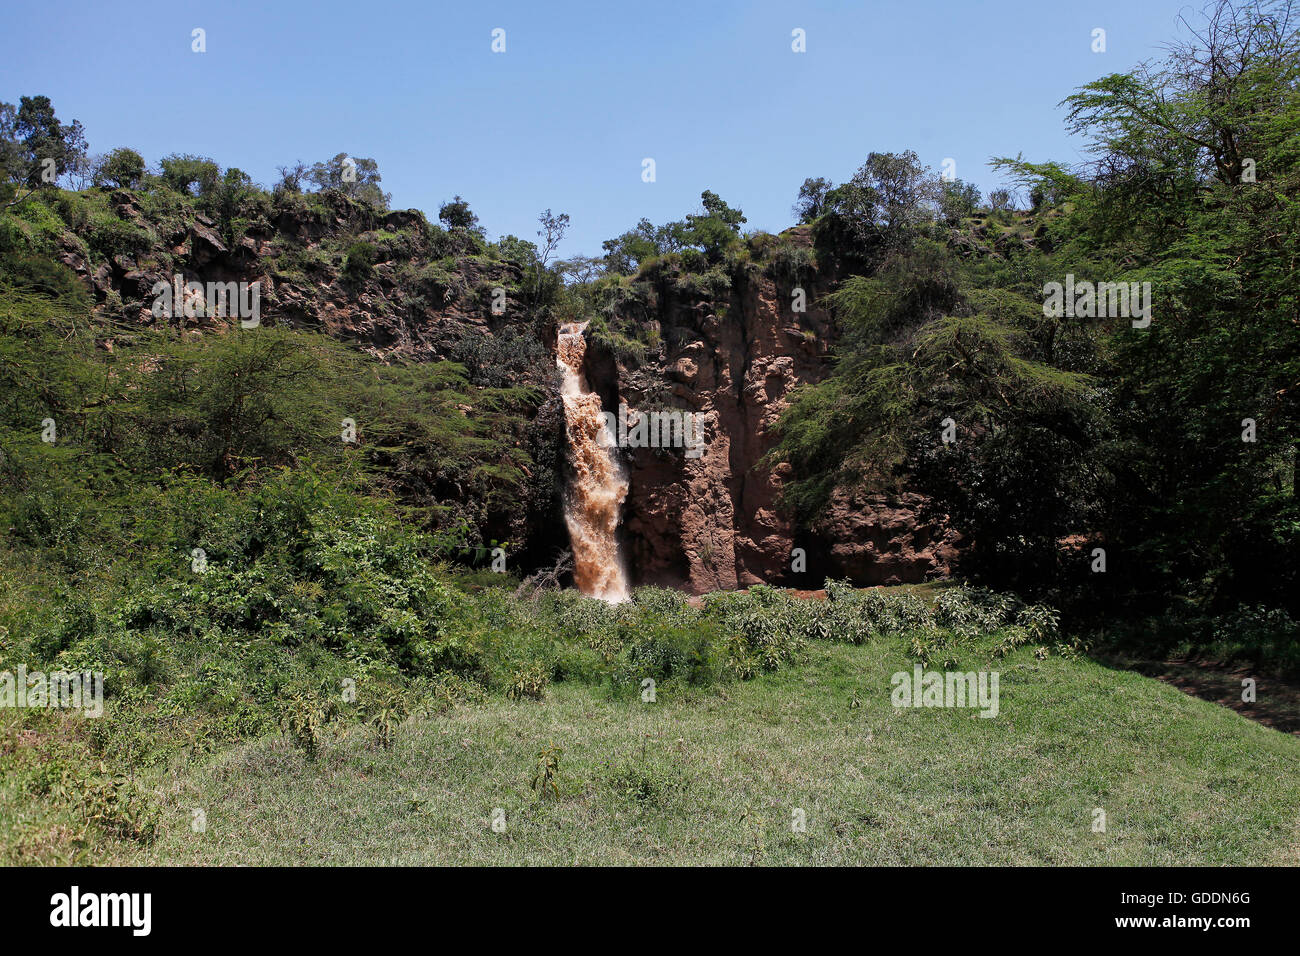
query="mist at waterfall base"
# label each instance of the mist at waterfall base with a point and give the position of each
(594, 498)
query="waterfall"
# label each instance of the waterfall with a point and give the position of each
(594, 498)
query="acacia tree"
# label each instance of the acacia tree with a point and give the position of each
(122, 168)
(1175, 443)
(36, 148)
(713, 230)
(582, 270)
(188, 174)
(456, 214)
(812, 199)
(1197, 181)
(552, 234)
(625, 253)
(957, 200)
(291, 177)
(940, 388)
(356, 177)
(902, 188)
(889, 196)
(11, 150)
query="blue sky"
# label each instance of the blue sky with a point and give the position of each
(709, 89)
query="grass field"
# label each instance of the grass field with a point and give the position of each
(712, 776)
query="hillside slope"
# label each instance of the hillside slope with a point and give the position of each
(712, 776)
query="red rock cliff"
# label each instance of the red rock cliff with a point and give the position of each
(714, 522)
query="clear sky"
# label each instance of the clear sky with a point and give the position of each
(710, 89)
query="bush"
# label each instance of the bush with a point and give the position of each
(649, 781)
(122, 168)
(359, 262)
(529, 682)
(111, 236)
(189, 175)
(660, 648)
(791, 263)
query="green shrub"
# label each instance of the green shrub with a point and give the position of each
(119, 807)
(528, 682)
(111, 236)
(359, 262)
(122, 168)
(791, 263)
(649, 781)
(304, 718)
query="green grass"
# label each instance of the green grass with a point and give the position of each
(711, 776)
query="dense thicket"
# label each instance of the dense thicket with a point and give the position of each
(1172, 445)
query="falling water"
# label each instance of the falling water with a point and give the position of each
(595, 496)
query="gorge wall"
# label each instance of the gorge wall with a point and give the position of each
(720, 340)
(714, 522)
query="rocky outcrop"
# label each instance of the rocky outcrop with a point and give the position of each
(714, 522)
(417, 300)
(876, 539)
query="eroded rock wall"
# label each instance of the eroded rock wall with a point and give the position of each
(713, 522)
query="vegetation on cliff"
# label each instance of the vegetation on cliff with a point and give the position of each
(286, 538)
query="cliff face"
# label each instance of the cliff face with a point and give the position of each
(386, 282)
(713, 522)
(419, 293)
(727, 343)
